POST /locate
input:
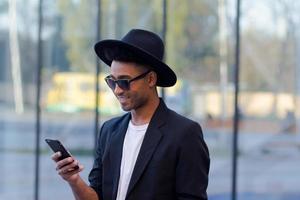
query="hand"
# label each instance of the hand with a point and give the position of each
(67, 168)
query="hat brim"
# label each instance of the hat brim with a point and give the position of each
(166, 76)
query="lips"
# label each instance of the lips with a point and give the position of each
(122, 99)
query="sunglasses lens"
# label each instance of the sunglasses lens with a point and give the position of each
(123, 84)
(111, 83)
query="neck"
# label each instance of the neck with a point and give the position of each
(144, 114)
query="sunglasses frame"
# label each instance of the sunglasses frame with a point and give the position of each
(124, 84)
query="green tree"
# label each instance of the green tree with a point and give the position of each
(191, 34)
(192, 39)
(79, 32)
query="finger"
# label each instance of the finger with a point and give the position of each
(56, 156)
(64, 162)
(80, 168)
(65, 167)
(70, 173)
(72, 167)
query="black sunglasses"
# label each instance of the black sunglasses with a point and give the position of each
(124, 84)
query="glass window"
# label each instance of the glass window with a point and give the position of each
(200, 42)
(17, 86)
(269, 136)
(68, 88)
(202, 93)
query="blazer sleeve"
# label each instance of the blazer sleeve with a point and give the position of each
(192, 165)
(95, 176)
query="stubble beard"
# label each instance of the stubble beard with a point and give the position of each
(135, 103)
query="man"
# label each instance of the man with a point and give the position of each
(150, 153)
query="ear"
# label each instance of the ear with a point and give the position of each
(152, 79)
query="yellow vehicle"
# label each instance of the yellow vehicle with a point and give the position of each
(75, 91)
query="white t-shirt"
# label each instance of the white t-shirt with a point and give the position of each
(131, 147)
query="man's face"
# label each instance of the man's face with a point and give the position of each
(136, 96)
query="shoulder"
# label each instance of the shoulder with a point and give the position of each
(180, 127)
(188, 133)
(178, 119)
(111, 125)
(114, 122)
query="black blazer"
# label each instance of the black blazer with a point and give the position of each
(173, 162)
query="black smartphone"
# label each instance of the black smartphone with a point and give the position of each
(56, 146)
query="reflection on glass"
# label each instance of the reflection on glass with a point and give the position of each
(269, 99)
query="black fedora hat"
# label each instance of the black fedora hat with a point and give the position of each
(144, 46)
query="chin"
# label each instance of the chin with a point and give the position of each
(126, 107)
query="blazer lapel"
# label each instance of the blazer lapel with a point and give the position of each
(116, 148)
(152, 137)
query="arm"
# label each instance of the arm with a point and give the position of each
(66, 169)
(82, 191)
(192, 166)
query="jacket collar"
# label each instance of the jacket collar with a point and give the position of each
(152, 138)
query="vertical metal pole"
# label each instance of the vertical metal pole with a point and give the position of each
(223, 57)
(38, 108)
(297, 74)
(164, 33)
(236, 108)
(15, 57)
(98, 36)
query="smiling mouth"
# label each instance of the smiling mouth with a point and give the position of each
(122, 99)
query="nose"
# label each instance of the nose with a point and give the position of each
(118, 90)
